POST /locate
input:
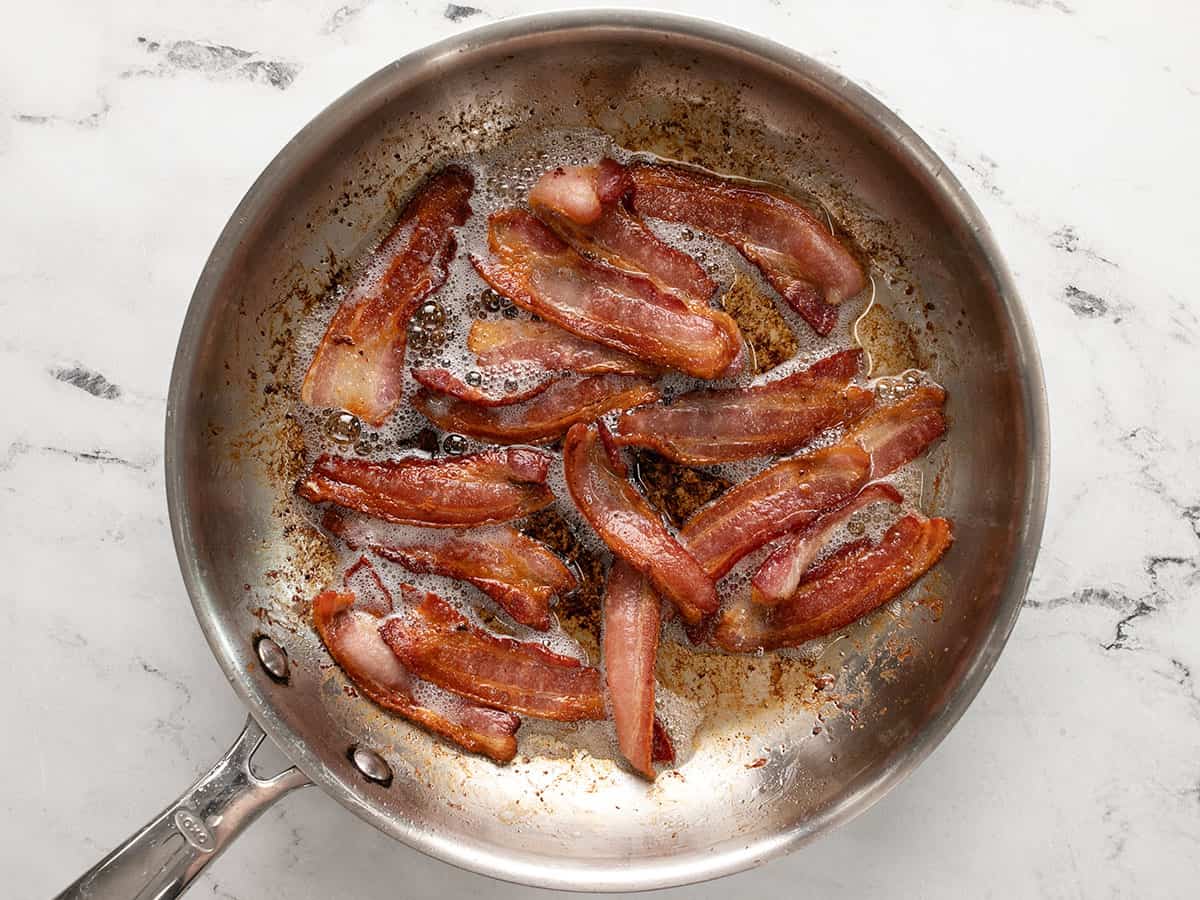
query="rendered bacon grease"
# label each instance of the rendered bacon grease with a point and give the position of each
(599, 335)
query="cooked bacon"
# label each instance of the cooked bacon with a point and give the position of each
(546, 417)
(359, 364)
(457, 492)
(855, 580)
(516, 571)
(632, 618)
(778, 577)
(897, 434)
(585, 206)
(713, 426)
(782, 498)
(593, 300)
(892, 436)
(352, 636)
(443, 381)
(505, 344)
(441, 646)
(793, 248)
(597, 480)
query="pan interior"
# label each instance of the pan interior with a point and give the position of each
(787, 747)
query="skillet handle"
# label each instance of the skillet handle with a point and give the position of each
(160, 861)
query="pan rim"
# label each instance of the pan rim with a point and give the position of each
(696, 867)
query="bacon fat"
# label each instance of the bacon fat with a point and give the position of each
(443, 381)
(503, 343)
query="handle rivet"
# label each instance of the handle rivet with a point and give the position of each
(194, 831)
(272, 657)
(371, 765)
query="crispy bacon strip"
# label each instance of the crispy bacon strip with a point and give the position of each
(778, 577)
(585, 207)
(793, 248)
(443, 381)
(441, 646)
(352, 636)
(457, 492)
(359, 364)
(894, 435)
(632, 618)
(855, 580)
(782, 498)
(713, 426)
(623, 310)
(598, 483)
(516, 571)
(503, 344)
(547, 416)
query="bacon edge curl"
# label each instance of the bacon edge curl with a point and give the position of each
(779, 575)
(900, 432)
(586, 207)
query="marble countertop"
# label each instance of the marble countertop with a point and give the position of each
(129, 131)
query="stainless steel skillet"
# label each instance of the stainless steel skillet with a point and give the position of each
(776, 761)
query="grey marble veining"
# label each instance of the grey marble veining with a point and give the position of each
(128, 132)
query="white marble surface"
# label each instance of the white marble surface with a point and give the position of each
(128, 132)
